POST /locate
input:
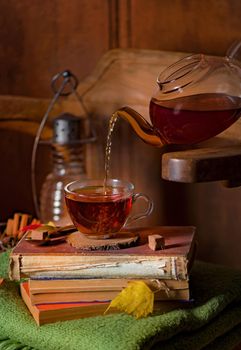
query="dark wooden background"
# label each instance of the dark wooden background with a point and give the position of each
(39, 38)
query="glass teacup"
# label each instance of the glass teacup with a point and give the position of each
(100, 211)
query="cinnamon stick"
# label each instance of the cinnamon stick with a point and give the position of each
(23, 223)
(9, 228)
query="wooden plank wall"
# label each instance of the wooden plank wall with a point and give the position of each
(39, 38)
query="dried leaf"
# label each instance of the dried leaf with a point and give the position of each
(30, 227)
(51, 223)
(136, 299)
(46, 227)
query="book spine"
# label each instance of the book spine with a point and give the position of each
(14, 268)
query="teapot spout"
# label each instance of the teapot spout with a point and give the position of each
(142, 128)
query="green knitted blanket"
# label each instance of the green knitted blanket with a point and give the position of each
(214, 322)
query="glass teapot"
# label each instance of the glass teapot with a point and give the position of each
(198, 97)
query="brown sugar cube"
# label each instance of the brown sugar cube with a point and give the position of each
(156, 242)
(38, 235)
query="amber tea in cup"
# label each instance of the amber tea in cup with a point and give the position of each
(100, 211)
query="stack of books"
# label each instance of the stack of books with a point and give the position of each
(64, 282)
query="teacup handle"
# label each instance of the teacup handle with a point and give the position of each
(144, 214)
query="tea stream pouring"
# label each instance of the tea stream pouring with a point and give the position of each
(198, 97)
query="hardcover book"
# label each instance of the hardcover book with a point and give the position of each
(76, 290)
(48, 313)
(65, 261)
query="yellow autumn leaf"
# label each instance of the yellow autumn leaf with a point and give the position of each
(51, 223)
(136, 299)
(45, 228)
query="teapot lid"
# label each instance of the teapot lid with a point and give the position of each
(202, 73)
(183, 72)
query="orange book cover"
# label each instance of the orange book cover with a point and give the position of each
(48, 313)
